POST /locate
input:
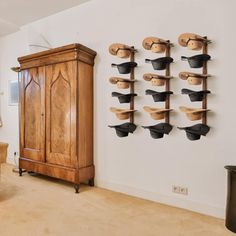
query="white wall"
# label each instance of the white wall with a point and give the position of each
(139, 165)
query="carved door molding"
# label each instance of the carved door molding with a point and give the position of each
(32, 110)
(61, 110)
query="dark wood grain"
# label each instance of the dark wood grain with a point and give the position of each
(56, 113)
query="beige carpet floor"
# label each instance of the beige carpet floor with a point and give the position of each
(41, 206)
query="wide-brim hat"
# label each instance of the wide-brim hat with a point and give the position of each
(160, 63)
(123, 98)
(193, 78)
(158, 96)
(196, 61)
(125, 68)
(156, 113)
(158, 131)
(156, 80)
(194, 132)
(120, 50)
(193, 113)
(192, 41)
(155, 44)
(122, 114)
(195, 96)
(123, 130)
(121, 82)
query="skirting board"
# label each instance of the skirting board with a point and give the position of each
(214, 211)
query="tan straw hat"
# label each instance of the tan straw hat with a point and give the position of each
(121, 82)
(155, 44)
(156, 80)
(193, 113)
(122, 114)
(193, 78)
(120, 50)
(192, 41)
(156, 113)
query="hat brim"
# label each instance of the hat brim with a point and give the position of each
(114, 80)
(187, 91)
(184, 75)
(185, 37)
(191, 92)
(152, 92)
(121, 111)
(155, 110)
(189, 110)
(198, 129)
(113, 48)
(147, 42)
(123, 129)
(149, 77)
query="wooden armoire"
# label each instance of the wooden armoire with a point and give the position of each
(56, 113)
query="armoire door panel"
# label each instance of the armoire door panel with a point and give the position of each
(61, 86)
(32, 113)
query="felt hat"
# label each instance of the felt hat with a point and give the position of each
(158, 131)
(196, 61)
(120, 50)
(195, 95)
(194, 132)
(192, 41)
(121, 82)
(160, 63)
(156, 80)
(125, 68)
(123, 98)
(122, 114)
(193, 113)
(158, 96)
(193, 78)
(156, 113)
(123, 130)
(155, 44)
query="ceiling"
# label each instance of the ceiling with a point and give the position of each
(15, 13)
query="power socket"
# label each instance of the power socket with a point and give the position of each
(179, 190)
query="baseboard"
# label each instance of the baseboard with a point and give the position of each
(198, 207)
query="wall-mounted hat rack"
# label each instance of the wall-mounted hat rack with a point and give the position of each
(196, 42)
(124, 51)
(158, 45)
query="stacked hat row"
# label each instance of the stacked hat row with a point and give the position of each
(196, 42)
(157, 45)
(124, 51)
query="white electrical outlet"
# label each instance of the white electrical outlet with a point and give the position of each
(183, 191)
(175, 189)
(179, 190)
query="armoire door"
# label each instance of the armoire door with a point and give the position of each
(32, 110)
(61, 114)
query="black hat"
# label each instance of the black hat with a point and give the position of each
(197, 60)
(123, 130)
(123, 98)
(158, 96)
(125, 68)
(158, 131)
(195, 95)
(160, 63)
(194, 132)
